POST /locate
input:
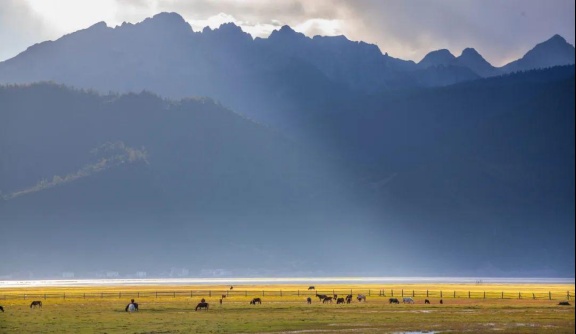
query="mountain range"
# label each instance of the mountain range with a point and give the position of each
(164, 55)
(284, 156)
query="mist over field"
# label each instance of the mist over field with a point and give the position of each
(153, 150)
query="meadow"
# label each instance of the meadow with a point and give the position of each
(525, 308)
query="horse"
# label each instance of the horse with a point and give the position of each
(340, 300)
(441, 302)
(36, 303)
(408, 300)
(361, 297)
(309, 300)
(348, 299)
(256, 301)
(327, 299)
(426, 301)
(564, 303)
(201, 305)
(311, 287)
(220, 301)
(394, 301)
(223, 296)
(321, 296)
(1, 308)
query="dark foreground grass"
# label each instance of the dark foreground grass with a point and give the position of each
(287, 314)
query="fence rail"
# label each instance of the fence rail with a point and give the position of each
(550, 295)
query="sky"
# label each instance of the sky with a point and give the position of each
(501, 31)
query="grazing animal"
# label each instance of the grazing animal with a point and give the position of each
(321, 297)
(441, 302)
(327, 299)
(348, 299)
(407, 300)
(220, 301)
(133, 306)
(564, 303)
(426, 301)
(202, 305)
(361, 297)
(311, 287)
(309, 300)
(1, 309)
(223, 296)
(256, 301)
(394, 301)
(340, 300)
(202, 300)
(231, 287)
(36, 303)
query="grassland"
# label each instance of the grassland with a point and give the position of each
(101, 310)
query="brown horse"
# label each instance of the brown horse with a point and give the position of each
(256, 301)
(340, 300)
(326, 300)
(201, 305)
(321, 296)
(36, 303)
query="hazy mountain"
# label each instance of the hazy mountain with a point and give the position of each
(478, 178)
(553, 52)
(471, 59)
(437, 58)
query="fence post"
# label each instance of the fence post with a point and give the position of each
(156, 294)
(426, 293)
(262, 293)
(174, 294)
(502, 294)
(568, 295)
(412, 293)
(44, 296)
(454, 293)
(519, 295)
(440, 293)
(402, 292)
(298, 293)
(549, 295)
(392, 292)
(369, 292)
(138, 294)
(468, 294)
(84, 295)
(533, 296)
(246, 293)
(484, 294)
(24, 296)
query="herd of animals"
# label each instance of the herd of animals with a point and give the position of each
(203, 305)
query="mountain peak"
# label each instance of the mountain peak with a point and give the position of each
(553, 52)
(286, 32)
(438, 57)
(166, 21)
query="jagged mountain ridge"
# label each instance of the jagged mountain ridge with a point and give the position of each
(261, 78)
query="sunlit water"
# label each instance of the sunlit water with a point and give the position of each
(272, 281)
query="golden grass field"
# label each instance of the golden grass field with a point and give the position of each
(101, 309)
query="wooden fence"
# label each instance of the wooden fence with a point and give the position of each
(440, 294)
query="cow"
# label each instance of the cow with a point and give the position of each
(394, 301)
(426, 301)
(361, 297)
(327, 299)
(340, 300)
(255, 301)
(407, 300)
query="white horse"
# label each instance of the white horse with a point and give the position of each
(408, 300)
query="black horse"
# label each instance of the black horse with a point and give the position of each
(321, 297)
(133, 303)
(256, 301)
(1, 309)
(201, 306)
(311, 287)
(327, 300)
(348, 299)
(309, 300)
(394, 301)
(340, 300)
(426, 301)
(36, 303)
